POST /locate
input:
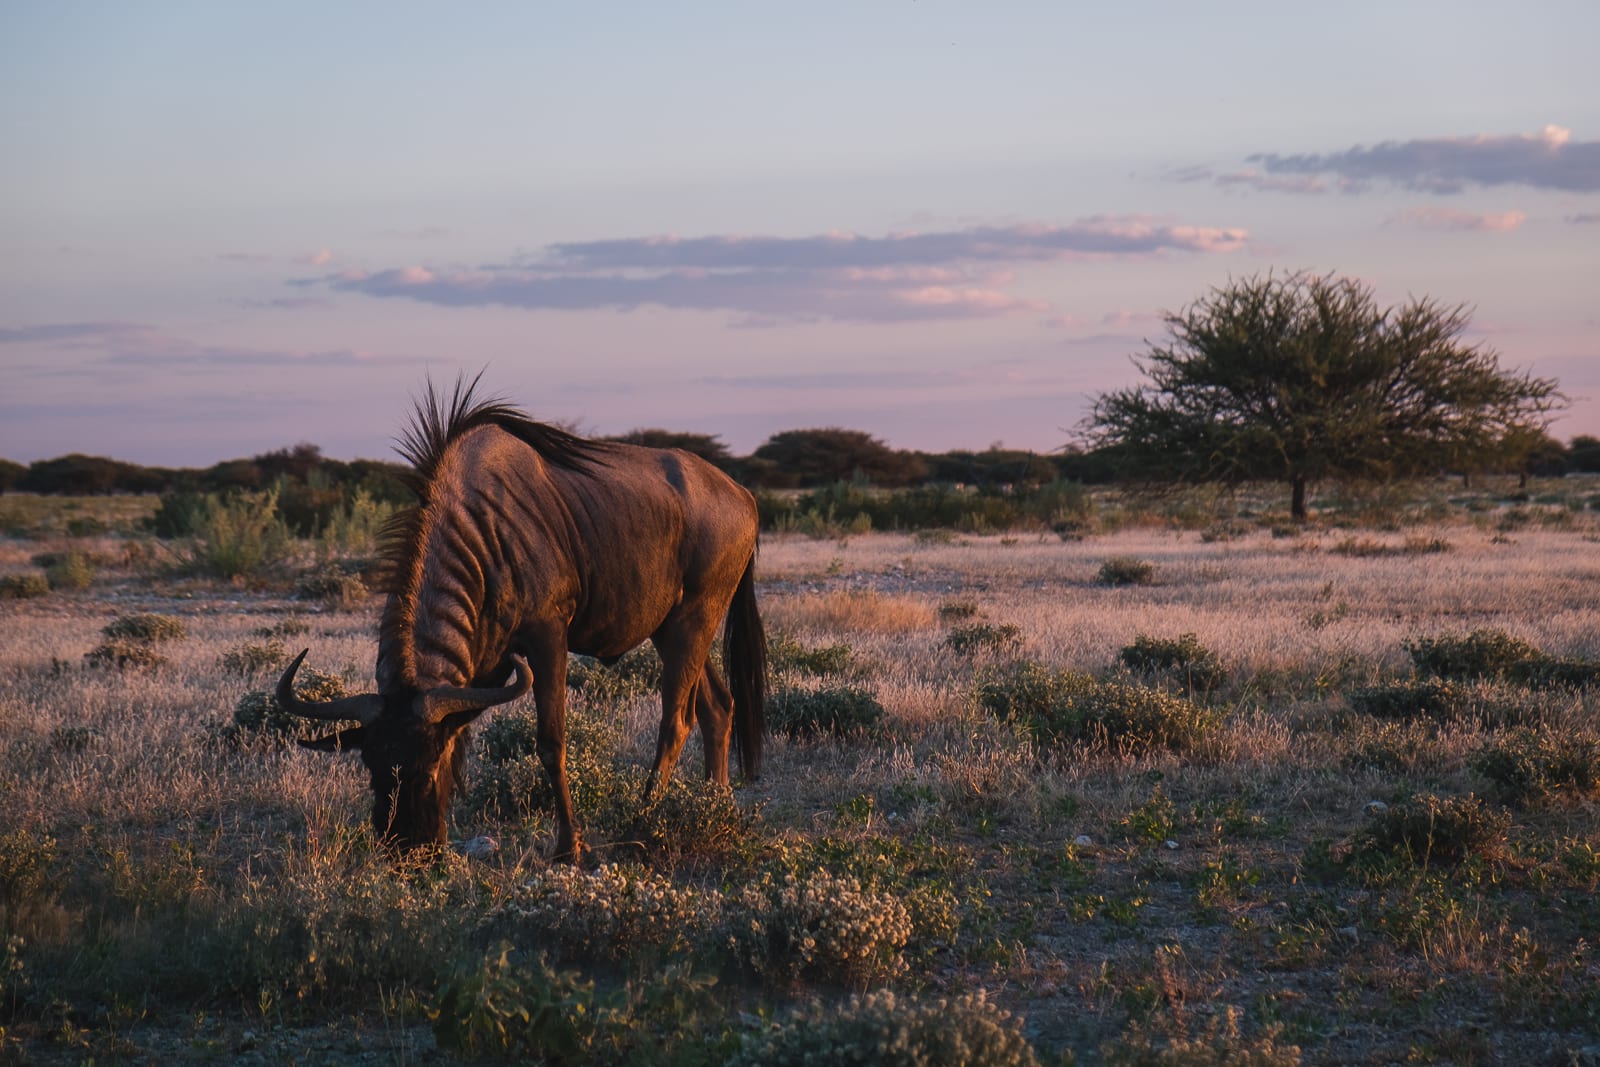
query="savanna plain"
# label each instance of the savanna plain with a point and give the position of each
(1177, 783)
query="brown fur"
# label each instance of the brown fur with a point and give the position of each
(529, 540)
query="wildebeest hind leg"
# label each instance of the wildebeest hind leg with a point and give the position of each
(714, 708)
(683, 640)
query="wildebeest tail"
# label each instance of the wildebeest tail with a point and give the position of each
(745, 651)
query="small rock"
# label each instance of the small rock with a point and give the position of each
(1170, 845)
(478, 848)
(1376, 807)
(1083, 841)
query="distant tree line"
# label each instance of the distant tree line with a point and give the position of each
(309, 482)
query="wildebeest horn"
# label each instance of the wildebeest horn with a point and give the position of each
(363, 708)
(448, 700)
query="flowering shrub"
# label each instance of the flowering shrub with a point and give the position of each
(883, 1030)
(612, 912)
(820, 925)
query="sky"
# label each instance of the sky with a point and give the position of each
(229, 228)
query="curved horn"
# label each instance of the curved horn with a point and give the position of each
(447, 700)
(363, 708)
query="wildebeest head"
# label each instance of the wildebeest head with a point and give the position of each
(408, 738)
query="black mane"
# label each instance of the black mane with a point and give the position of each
(437, 422)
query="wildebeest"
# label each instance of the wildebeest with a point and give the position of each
(527, 542)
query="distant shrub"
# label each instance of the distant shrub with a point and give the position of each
(1067, 707)
(784, 653)
(289, 626)
(1196, 666)
(1437, 700)
(1429, 698)
(248, 659)
(1367, 547)
(23, 586)
(152, 629)
(984, 637)
(74, 571)
(1126, 570)
(1483, 653)
(239, 535)
(1534, 766)
(1551, 673)
(839, 711)
(354, 529)
(1396, 748)
(125, 654)
(955, 610)
(337, 584)
(1431, 831)
(883, 1030)
(180, 514)
(257, 713)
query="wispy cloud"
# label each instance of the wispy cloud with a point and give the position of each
(320, 258)
(1443, 218)
(841, 276)
(1549, 159)
(1586, 218)
(103, 344)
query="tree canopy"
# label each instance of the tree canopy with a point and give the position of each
(1301, 378)
(820, 456)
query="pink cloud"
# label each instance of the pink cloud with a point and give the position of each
(1444, 218)
(320, 258)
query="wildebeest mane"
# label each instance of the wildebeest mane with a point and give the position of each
(437, 422)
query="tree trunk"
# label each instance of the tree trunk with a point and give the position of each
(1297, 502)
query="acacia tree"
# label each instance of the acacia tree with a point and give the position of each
(1302, 378)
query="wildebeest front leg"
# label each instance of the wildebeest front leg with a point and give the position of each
(550, 701)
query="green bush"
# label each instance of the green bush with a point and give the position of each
(1196, 666)
(984, 637)
(533, 1013)
(336, 584)
(1550, 673)
(180, 515)
(1431, 831)
(248, 659)
(1438, 700)
(1535, 766)
(839, 711)
(151, 629)
(635, 674)
(785, 654)
(1126, 570)
(883, 1030)
(257, 713)
(1483, 653)
(240, 535)
(23, 586)
(125, 654)
(1066, 707)
(73, 570)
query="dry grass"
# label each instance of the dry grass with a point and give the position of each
(1068, 899)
